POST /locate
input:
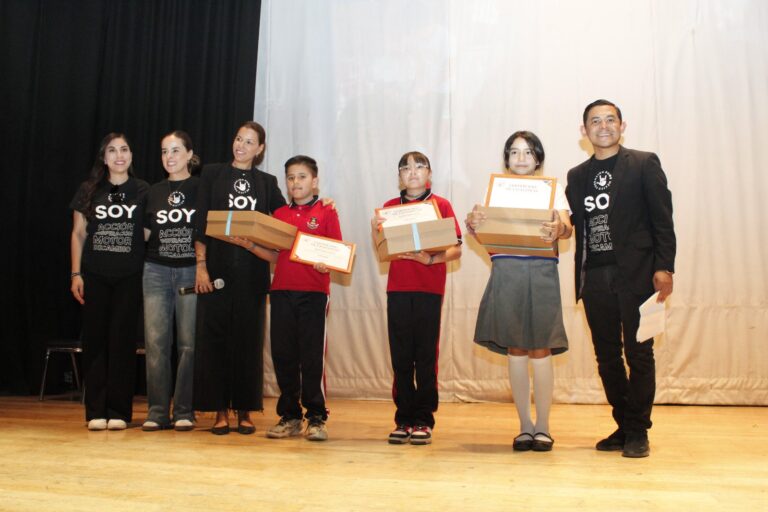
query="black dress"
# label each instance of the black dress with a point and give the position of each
(229, 341)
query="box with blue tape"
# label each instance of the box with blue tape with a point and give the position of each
(431, 236)
(255, 226)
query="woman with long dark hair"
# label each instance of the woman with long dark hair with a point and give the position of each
(170, 266)
(107, 249)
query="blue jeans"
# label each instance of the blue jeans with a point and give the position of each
(161, 298)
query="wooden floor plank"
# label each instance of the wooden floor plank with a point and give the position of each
(702, 458)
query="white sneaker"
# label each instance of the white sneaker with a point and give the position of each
(316, 430)
(285, 428)
(114, 424)
(183, 425)
(97, 424)
(150, 426)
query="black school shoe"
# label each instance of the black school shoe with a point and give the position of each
(523, 442)
(542, 442)
(636, 445)
(612, 443)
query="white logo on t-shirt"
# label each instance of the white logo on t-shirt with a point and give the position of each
(602, 180)
(601, 202)
(176, 198)
(242, 186)
(115, 211)
(242, 202)
(175, 216)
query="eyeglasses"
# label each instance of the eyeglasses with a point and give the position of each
(115, 196)
(405, 169)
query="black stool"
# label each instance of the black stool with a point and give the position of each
(67, 346)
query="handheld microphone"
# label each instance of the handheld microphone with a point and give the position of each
(218, 284)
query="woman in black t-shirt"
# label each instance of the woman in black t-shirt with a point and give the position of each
(170, 266)
(229, 340)
(107, 250)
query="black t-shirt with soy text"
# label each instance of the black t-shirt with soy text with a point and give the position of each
(170, 217)
(114, 245)
(596, 204)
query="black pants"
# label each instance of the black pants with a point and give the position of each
(229, 349)
(297, 328)
(110, 332)
(413, 321)
(612, 312)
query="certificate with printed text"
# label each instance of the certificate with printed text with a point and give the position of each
(335, 254)
(409, 213)
(511, 191)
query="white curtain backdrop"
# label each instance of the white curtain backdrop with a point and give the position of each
(356, 83)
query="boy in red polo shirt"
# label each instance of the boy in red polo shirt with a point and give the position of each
(415, 291)
(299, 306)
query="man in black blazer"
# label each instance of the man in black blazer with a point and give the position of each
(625, 250)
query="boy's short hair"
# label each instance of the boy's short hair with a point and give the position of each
(304, 160)
(418, 157)
(599, 103)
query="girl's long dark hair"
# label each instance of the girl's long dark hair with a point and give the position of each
(100, 172)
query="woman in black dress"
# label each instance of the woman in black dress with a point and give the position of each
(231, 321)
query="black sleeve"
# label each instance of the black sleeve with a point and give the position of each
(658, 199)
(203, 202)
(276, 199)
(78, 201)
(142, 188)
(569, 193)
(149, 206)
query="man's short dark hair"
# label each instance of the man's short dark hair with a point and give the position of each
(599, 103)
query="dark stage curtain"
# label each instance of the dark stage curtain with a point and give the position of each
(70, 72)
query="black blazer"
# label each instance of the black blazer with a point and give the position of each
(639, 215)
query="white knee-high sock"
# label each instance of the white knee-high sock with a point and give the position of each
(543, 387)
(521, 390)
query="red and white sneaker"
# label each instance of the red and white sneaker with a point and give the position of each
(422, 434)
(401, 434)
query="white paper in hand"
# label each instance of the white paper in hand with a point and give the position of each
(652, 319)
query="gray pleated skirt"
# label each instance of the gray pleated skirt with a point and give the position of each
(521, 307)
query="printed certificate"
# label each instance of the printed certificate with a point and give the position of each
(311, 249)
(409, 213)
(511, 191)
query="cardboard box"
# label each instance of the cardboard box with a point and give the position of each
(255, 226)
(431, 236)
(515, 231)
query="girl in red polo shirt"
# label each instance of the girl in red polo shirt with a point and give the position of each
(415, 291)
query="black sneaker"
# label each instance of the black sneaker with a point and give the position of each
(401, 435)
(612, 443)
(636, 446)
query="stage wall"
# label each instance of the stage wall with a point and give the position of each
(356, 83)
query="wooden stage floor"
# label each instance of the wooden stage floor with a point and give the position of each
(702, 458)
